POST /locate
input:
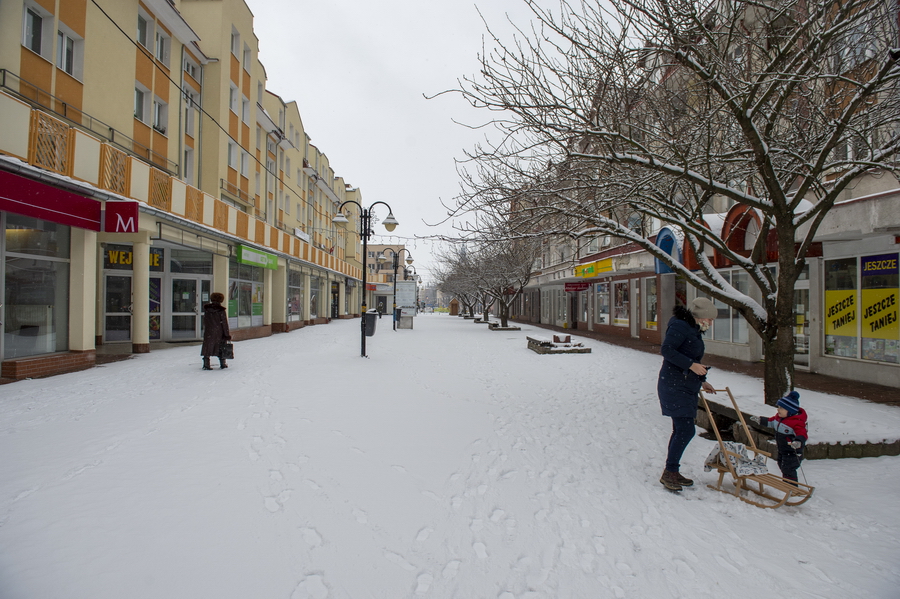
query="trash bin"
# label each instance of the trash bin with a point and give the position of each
(371, 319)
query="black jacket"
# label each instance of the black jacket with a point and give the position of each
(678, 387)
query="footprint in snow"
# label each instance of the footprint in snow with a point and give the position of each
(398, 468)
(423, 583)
(424, 534)
(311, 587)
(398, 560)
(450, 570)
(311, 537)
(480, 550)
(361, 516)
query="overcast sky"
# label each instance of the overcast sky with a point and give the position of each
(359, 71)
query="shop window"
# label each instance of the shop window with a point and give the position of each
(651, 315)
(245, 295)
(841, 303)
(295, 295)
(36, 303)
(601, 303)
(878, 308)
(314, 297)
(621, 304)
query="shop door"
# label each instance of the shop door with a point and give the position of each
(188, 296)
(117, 319)
(118, 308)
(801, 327)
(335, 300)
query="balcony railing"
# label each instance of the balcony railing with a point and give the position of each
(34, 95)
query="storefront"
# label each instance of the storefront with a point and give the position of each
(180, 284)
(35, 275)
(247, 286)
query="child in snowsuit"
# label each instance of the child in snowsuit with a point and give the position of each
(790, 433)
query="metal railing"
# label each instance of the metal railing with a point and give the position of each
(37, 97)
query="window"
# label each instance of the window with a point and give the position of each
(246, 58)
(37, 34)
(232, 155)
(162, 47)
(233, 95)
(622, 305)
(144, 28)
(841, 303)
(160, 115)
(191, 68)
(650, 304)
(141, 104)
(235, 42)
(287, 168)
(245, 164)
(65, 53)
(190, 113)
(245, 110)
(879, 282)
(295, 294)
(188, 167)
(601, 303)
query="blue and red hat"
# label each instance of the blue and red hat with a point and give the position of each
(790, 402)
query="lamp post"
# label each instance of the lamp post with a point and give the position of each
(365, 220)
(409, 260)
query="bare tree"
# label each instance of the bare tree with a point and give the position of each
(620, 114)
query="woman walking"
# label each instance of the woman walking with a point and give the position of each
(215, 330)
(680, 380)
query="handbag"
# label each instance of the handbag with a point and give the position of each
(226, 350)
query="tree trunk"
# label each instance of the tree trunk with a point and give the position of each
(504, 315)
(779, 364)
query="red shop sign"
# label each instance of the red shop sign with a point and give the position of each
(28, 197)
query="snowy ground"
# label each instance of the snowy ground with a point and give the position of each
(451, 463)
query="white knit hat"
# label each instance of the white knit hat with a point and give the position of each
(702, 307)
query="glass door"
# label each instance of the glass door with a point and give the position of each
(117, 321)
(187, 303)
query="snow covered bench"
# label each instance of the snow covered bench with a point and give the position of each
(543, 345)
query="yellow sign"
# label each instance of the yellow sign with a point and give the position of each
(592, 269)
(840, 313)
(879, 314)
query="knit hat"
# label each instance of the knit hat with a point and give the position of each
(217, 297)
(790, 402)
(702, 307)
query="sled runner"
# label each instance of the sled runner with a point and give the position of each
(749, 471)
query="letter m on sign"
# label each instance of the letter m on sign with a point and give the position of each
(121, 217)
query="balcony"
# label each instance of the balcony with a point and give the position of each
(39, 98)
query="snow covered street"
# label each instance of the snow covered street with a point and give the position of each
(453, 463)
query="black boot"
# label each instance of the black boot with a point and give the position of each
(222, 364)
(206, 365)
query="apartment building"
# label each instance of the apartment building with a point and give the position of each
(144, 165)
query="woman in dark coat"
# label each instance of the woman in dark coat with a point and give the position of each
(680, 380)
(215, 330)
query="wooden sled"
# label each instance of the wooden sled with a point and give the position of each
(777, 490)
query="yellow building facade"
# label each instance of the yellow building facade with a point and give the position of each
(144, 166)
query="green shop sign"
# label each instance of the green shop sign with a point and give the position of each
(246, 255)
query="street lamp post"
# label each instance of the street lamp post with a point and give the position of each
(365, 220)
(409, 260)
